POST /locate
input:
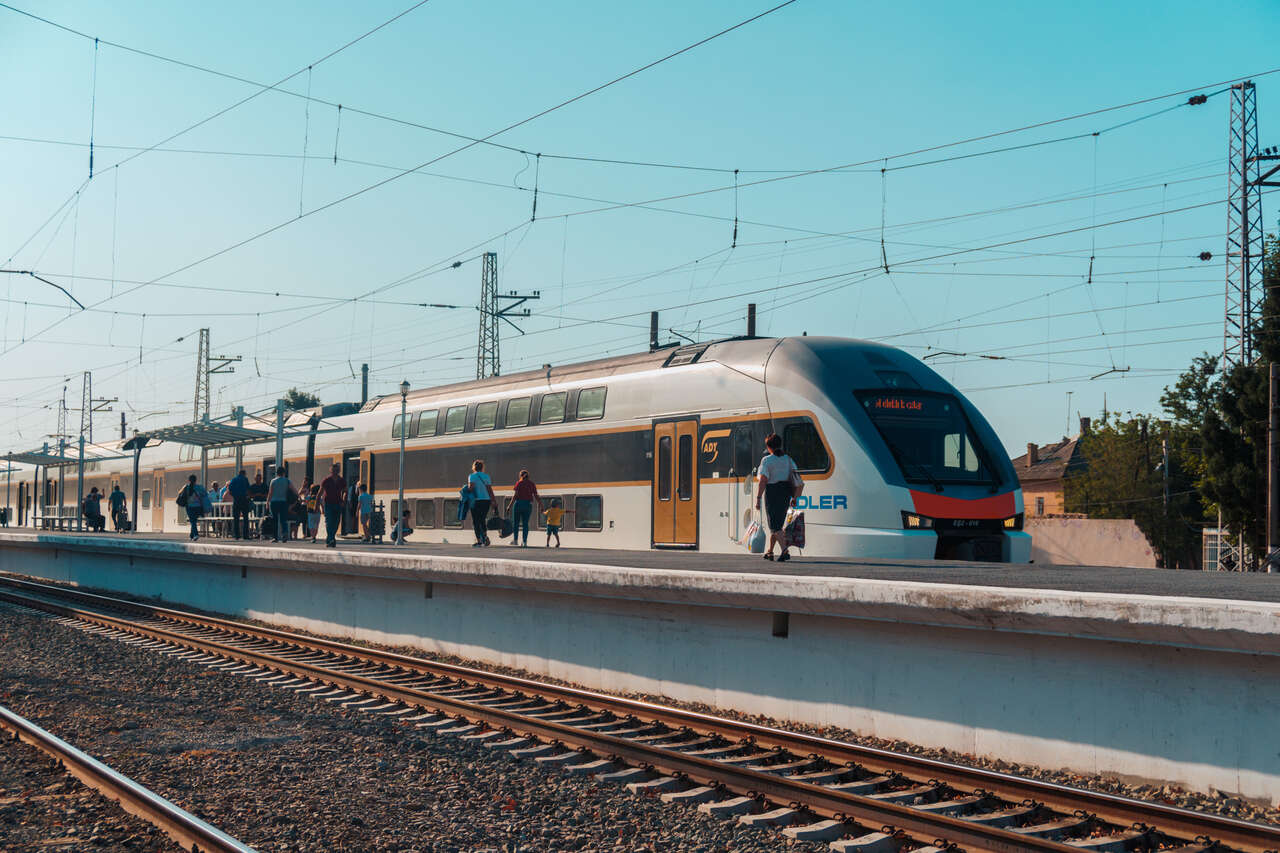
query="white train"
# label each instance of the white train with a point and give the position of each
(658, 449)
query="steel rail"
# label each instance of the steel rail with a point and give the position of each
(1121, 811)
(180, 825)
(821, 801)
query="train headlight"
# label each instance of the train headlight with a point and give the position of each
(1014, 523)
(914, 521)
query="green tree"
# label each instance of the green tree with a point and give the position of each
(1125, 478)
(296, 400)
(1233, 431)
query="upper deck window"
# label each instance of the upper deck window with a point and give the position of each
(427, 422)
(518, 412)
(486, 415)
(455, 419)
(552, 410)
(591, 404)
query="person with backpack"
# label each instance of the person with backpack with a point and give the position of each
(526, 493)
(482, 487)
(92, 510)
(778, 485)
(280, 497)
(193, 498)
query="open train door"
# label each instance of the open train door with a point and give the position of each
(675, 484)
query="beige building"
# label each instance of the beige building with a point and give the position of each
(1044, 471)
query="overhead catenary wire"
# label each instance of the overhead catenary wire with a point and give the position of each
(378, 184)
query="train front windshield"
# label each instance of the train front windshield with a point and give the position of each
(929, 437)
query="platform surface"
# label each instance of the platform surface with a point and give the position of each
(1123, 581)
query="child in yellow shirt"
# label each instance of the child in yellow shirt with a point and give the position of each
(555, 518)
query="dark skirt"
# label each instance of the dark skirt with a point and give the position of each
(777, 500)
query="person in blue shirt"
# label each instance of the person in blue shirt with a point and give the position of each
(482, 487)
(241, 506)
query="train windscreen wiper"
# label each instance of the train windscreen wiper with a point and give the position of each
(903, 462)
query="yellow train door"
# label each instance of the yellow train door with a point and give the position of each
(675, 484)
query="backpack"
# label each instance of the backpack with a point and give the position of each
(181, 500)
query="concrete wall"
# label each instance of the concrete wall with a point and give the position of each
(1089, 542)
(992, 672)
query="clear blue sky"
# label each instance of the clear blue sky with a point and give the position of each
(815, 85)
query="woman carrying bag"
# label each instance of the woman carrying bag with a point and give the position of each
(778, 484)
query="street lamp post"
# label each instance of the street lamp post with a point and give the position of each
(404, 401)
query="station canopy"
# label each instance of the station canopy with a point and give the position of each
(207, 434)
(52, 460)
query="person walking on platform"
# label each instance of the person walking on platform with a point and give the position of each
(364, 505)
(779, 480)
(526, 493)
(482, 487)
(119, 506)
(193, 498)
(313, 512)
(334, 491)
(279, 499)
(241, 506)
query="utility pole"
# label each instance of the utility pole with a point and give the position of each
(495, 306)
(1273, 466)
(206, 367)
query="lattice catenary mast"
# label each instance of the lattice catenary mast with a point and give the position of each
(1244, 228)
(488, 355)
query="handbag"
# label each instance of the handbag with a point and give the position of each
(754, 539)
(793, 529)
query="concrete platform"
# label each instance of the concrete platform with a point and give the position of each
(1081, 668)
(1124, 581)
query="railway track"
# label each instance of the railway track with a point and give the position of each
(856, 798)
(180, 825)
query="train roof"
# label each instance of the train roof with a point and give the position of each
(742, 353)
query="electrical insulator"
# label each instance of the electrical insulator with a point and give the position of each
(1206, 256)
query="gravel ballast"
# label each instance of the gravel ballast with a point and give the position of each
(43, 808)
(282, 772)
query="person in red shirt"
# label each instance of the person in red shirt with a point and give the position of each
(526, 492)
(334, 490)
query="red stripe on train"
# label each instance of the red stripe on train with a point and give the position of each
(942, 506)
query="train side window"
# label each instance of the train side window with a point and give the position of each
(425, 513)
(397, 426)
(427, 422)
(591, 404)
(486, 415)
(450, 513)
(146, 499)
(517, 412)
(743, 452)
(552, 409)
(539, 521)
(686, 467)
(455, 419)
(664, 468)
(589, 512)
(803, 444)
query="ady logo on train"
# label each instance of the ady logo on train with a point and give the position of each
(711, 444)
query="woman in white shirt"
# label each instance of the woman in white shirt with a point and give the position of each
(482, 487)
(777, 482)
